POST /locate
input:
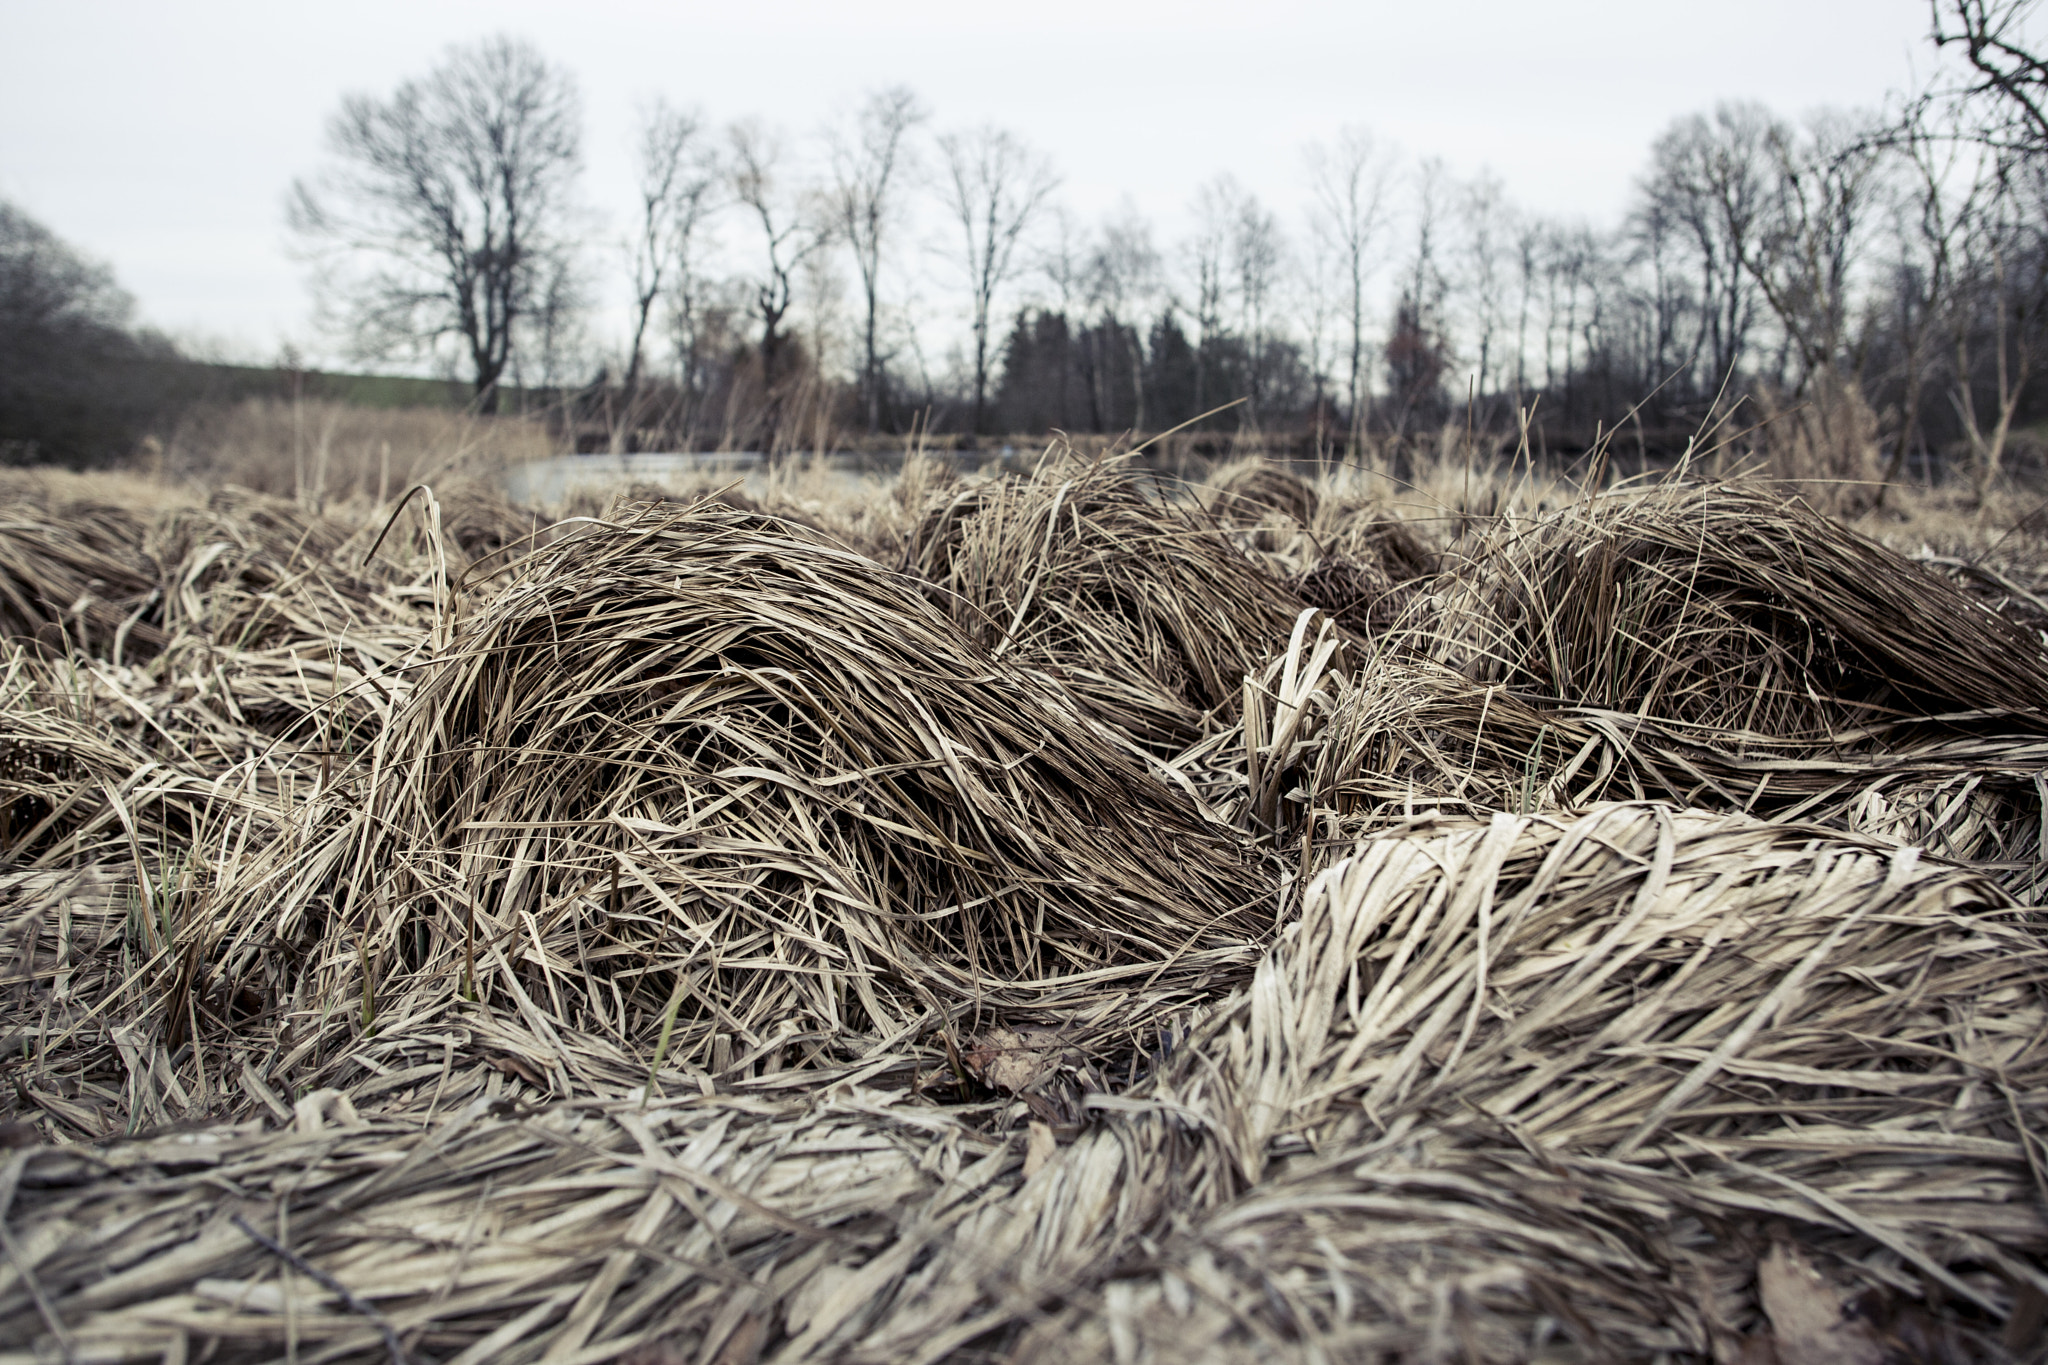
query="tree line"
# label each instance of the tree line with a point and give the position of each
(885, 272)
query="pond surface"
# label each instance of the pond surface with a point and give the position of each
(551, 482)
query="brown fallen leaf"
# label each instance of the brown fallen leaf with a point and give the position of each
(1007, 1059)
(1805, 1309)
(519, 1069)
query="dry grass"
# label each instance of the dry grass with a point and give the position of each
(1068, 916)
(319, 451)
(1134, 601)
(1729, 607)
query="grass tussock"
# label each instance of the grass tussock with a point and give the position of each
(1727, 607)
(700, 760)
(1136, 603)
(1351, 555)
(1651, 1044)
(1043, 916)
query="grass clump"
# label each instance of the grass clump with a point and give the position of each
(1086, 570)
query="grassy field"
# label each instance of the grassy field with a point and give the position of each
(1071, 912)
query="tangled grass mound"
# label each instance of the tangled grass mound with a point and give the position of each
(1346, 555)
(1606, 1086)
(1255, 493)
(248, 571)
(481, 521)
(1330, 750)
(76, 790)
(1731, 608)
(679, 936)
(73, 572)
(699, 756)
(1142, 607)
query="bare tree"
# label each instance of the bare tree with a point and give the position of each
(1923, 221)
(1350, 182)
(1239, 256)
(677, 179)
(994, 186)
(1668, 302)
(1999, 299)
(443, 215)
(1811, 234)
(1419, 351)
(1487, 226)
(1315, 301)
(554, 327)
(1215, 211)
(2007, 74)
(1530, 238)
(791, 231)
(1122, 275)
(865, 173)
(1258, 255)
(1974, 256)
(1713, 178)
(1064, 260)
(1571, 261)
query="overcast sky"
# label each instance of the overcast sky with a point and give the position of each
(162, 138)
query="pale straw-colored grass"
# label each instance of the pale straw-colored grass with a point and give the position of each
(1065, 916)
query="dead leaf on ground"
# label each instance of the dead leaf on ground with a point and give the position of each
(1014, 1060)
(1805, 1309)
(518, 1068)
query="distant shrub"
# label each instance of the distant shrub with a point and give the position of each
(77, 385)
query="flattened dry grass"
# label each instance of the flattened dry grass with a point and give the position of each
(73, 572)
(1085, 926)
(1542, 1087)
(1526, 1087)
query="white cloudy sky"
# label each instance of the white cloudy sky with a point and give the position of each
(162, 137)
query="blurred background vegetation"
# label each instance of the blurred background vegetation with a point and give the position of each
(1851, 295)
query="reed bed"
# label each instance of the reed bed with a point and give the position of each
(1559, 1087)
(695, 775)
(1058, 915)
(72, 569)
